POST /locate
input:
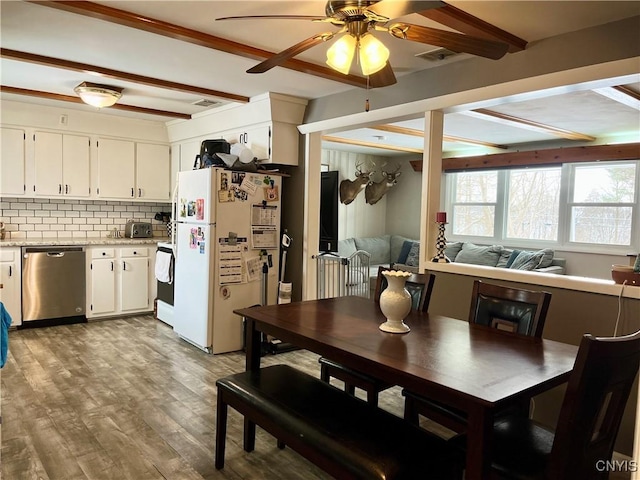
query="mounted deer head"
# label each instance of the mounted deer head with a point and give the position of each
(349, 189)
(376, 190)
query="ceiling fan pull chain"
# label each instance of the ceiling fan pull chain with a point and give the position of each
(366, 102)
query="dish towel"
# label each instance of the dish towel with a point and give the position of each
(163, 267)
(5, 322)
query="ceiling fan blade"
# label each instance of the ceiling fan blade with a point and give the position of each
(290, 52)
(275, 17)
(383, 78)
(456, 42)
(394, 9)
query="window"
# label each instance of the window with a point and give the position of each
(577, 204)
(601, 209)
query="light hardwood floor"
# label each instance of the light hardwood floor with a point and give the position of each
(126, 399)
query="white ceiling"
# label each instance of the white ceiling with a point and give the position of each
(38, 29)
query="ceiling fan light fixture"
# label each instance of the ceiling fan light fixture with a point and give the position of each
(96, 95)
(373, 54)
(340, 55)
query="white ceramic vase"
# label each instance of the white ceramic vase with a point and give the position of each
(395, 302)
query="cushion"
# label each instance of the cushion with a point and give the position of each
(347, 247)
(377, 247)
(479, 255)
(531, 260)
(406, 246)
(512, 258)
(504, 258)
(395, 244)
(452, 250)
(413, 258)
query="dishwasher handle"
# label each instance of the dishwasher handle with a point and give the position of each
(55, 254)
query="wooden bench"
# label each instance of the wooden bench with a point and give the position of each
(344, 436)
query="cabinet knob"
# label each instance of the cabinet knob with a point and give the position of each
(135, 253)
(104, 253)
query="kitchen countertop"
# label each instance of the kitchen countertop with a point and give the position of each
(43, 242)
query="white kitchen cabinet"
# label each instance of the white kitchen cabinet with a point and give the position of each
(12, 162)
(101, 282)
(10, 279)
(61, 165)
(116, 169)
(119, 281)
(134, 279)
(273, 142)
(153, 172)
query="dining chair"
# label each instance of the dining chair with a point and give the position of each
(514, 310)
(419, 287)
(589, 420)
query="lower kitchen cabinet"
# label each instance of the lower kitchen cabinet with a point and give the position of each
(10, 279)
(119, 280)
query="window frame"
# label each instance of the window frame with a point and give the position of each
(567, 184)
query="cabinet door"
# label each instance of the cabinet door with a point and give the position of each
(116, 168)
(258, 139)
(102, 286)
(75, 165)
(153, 170)
(134, 284)
(12, 180)
(188, 152)
(47, 154)
(10, 278)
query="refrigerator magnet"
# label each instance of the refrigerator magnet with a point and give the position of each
(191, 208)
(200, 209)
(271, 194)
(225, 292)
(202, 249)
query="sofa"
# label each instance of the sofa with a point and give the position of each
(403, 253)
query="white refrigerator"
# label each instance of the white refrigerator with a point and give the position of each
(227, 228)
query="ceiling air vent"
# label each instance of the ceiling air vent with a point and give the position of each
(206, 103)
(436, 55)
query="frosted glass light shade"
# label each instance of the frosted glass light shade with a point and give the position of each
(340, 55)
(373, 54)
(99, 96)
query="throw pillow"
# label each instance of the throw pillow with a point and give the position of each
(413, 258)
(527, 261)
(504, 258)
(547, 257)
(452, 250)
(513, 257)
(404, 251)
(479, 255)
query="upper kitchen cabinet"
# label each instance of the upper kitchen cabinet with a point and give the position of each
(268, 125)
(116, 169)
(153, 172)
(270, 143)
(133, 171)
(61, 165)
(12, 162)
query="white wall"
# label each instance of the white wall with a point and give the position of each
(403, 202)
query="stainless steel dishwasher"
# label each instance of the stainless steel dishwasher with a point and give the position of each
(53, 283)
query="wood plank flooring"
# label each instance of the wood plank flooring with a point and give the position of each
(127, 399)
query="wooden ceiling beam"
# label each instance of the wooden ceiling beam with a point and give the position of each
(447, 138)
(69, 98)
(116, 74)
(552, 156)
(512, 121)
(463, 22)
(621, 94)
(176, 32)
(360, 143)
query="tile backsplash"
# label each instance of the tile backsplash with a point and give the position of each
(35, 218)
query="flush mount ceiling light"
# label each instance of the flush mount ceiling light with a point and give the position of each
(99, 96)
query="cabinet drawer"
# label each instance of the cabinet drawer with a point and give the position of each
(134, 252)
(103, 253)
(8, 255)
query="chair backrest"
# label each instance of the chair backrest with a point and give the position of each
(419, 286)
(593, 405)
(512, 309)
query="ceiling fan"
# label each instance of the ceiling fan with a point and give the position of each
(357, 19)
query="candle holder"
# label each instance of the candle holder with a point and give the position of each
(441, 245)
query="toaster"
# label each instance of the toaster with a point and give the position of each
(138, 230)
